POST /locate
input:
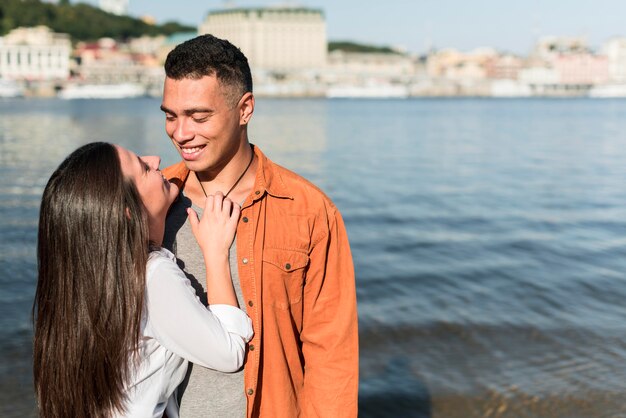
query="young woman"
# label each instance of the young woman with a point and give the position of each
(115, 319)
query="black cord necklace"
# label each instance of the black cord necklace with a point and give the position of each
(236, 183)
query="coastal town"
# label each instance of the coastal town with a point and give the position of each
(291, 56)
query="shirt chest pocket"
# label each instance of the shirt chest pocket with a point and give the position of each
(283, 276)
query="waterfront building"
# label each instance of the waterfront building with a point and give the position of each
(564, 66)
(466, 70)
(615, 51)
(109, 62)
(35, 54)
(583, 69)
(394, 67)
(368, 74)
(544, 79)
(147, 45)
(539, 73)
(503, 67)
(456, 65)
(509, 88)
(550, 47)
(117, 7)
(273, 39)
(438, 62)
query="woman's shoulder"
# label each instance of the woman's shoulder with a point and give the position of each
(159, 256)
(160, 253)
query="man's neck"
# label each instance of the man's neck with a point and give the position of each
(236, 178)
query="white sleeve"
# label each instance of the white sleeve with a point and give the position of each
(212, 337)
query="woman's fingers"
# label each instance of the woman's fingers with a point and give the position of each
(221, 207)
(193, 220)
(227, 206)
(218, 199)
(209, 204)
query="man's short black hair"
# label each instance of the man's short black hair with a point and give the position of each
(206, 55)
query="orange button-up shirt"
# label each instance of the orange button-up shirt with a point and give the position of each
(297, 278)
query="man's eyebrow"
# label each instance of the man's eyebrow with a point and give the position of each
(189, 112)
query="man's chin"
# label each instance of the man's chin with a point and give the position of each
(195, 165)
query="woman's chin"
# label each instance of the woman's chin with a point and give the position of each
(173, 193)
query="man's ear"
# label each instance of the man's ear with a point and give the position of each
(127, 212)
(246, 108)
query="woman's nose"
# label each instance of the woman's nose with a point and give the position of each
(153, 161)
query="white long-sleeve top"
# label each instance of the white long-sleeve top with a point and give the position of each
(178, 328)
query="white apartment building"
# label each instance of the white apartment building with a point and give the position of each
(35, 54)
(273, 39)
(615, 51)
(117, 7)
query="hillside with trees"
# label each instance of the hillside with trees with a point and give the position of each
(348, 46)
(81, 21)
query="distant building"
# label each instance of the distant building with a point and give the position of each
(35, 54)
(563, 66)
(394, 67)
(150, 20)
(550, 47)
(504, 67)
(148, 45)
(273, 39)
(539, 74)
(109, 62)
(582, 69)
(454, 65)
(615, 51)
(438, 62)
(117, 7)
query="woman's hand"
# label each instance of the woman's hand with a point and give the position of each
(215, 233)
(216, 229)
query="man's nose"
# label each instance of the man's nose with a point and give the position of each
(182, 131)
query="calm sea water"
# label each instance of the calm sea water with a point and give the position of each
(489, 240)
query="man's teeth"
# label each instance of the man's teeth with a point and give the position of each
(191, 150)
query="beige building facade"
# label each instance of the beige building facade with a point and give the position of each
(273, 39)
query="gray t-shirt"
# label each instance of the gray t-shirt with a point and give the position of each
(204, 392)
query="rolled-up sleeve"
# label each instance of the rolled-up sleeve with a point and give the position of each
(212, 337)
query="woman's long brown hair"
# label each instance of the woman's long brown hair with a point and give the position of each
(92, 251)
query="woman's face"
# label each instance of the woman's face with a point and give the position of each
(157, 194)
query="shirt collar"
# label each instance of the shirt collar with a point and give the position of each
(268, 179)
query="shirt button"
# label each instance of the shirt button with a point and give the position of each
(288, 266)
(250, 303)
(245, 261)
(250, 392)
(245, 219)
(251, 347)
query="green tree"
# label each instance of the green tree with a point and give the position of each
(81, 21)
(348, 46)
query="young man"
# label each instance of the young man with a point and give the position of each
(291, 262)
